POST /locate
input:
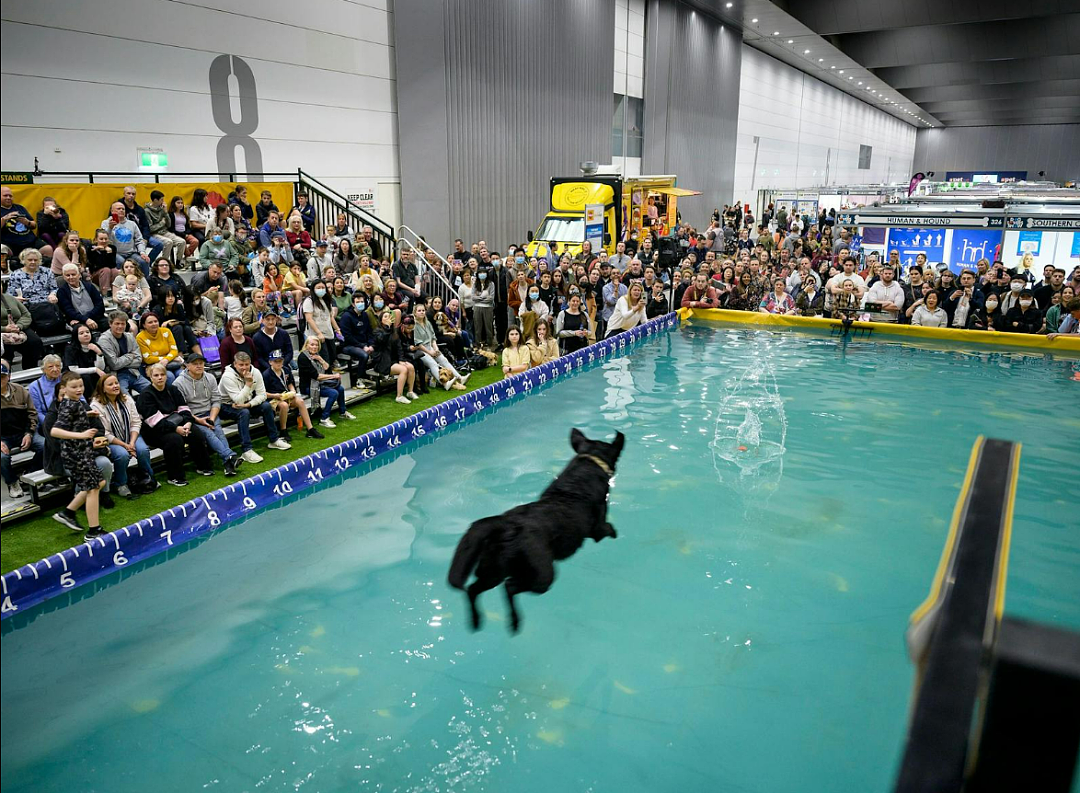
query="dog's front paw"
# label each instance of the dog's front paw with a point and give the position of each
(610, 530)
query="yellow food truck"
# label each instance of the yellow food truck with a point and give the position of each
(630, 203)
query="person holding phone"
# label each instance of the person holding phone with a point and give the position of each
(17, 227)
(126, 237)
(52, 222)
(700, 295)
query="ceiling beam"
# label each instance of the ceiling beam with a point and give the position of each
(981, 41)
(948, 93)
(1020, 70)
(830, 17)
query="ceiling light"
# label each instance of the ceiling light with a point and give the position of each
(776, 32)
(860, 82)
(850, 77)
(820, 60)
(791, 41)
(729, 5)
(874, 91)
(842, 71)
(806, 52)
(753, 21)
(832, 67)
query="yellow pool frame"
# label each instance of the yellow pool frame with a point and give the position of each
(1066, 343)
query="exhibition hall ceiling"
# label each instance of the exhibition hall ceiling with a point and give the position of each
(943, 63)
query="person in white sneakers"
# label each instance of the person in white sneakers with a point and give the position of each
(319, 380)
(432, 357)
(200, 391)
(283, 394)
(244, 393)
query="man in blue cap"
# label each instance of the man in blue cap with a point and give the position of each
(283, 395)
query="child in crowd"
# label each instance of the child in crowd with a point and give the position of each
(847, 301)
(236, 300)
(76, 434)
(131, 298)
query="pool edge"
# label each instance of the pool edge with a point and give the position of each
(61, 573)
(1063, 343)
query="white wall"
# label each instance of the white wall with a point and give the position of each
(809, 133)
(630, 47)
(87, 82)
(629, 65)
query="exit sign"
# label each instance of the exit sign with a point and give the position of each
(153, 160)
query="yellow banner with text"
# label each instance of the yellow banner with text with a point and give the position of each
(88, 204)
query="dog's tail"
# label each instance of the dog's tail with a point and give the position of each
(468, 551)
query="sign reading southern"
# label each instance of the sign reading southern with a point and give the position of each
(1050, 223)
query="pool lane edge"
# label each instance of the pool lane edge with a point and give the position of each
(63, 572)
(1064, 343)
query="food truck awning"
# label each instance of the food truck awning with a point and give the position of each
(675, 191)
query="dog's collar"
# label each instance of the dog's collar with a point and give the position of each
(603, 466)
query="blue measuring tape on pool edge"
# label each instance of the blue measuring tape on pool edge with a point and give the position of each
(62, 572)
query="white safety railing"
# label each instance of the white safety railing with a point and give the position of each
(436, 283)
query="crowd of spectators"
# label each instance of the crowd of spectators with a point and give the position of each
(787, 264)
(134, 374)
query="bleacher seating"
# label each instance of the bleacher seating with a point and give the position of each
(41, 488)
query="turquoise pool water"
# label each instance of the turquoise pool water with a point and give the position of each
(743, 633)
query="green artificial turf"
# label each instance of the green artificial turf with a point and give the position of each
(35, 538)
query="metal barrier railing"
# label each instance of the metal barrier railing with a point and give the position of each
(328, 203)
(139, 177)
(437, 283)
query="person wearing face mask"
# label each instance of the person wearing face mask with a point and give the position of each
(318, 310)
(517, 292)
(500, 277)
(218, 250)
(531, 310)
(357, 335)
(988, 316)
(1024, 317)
(483, 311)
(1017, 284)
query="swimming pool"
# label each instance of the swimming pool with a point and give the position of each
(744, 632)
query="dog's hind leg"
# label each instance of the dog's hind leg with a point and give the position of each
(511, 590)
(474, 590)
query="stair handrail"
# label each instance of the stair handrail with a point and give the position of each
(403, 240)
(351, 206)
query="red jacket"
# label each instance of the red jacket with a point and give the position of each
(303, 239)
(513, 296)
(693, 299)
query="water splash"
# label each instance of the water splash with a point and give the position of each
(748, 443)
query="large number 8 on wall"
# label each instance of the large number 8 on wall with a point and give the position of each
(237, 133)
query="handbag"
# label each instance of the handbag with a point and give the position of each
(171, 423)
(47, 319)
(140, 482)
(211, 348)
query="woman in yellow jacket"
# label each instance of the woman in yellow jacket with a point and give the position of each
(515, 357)
(542, 344)
(158, 345)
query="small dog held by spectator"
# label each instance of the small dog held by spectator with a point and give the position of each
(520, 546)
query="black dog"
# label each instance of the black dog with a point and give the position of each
(521, 546)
